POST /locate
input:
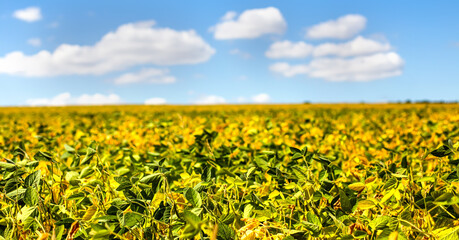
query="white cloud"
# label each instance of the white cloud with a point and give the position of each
(342, 28)
(59, 100)
(155, 101)
(36, 42)
(238, 52)
(146, 75)
(355, 47)
(288, 70)
(250, 24)
(130, 45)
(358, 46)
(30, 14)
(362, 68)
(210, 100)
(65, 99)
(360, 59)
(97, 99)
(261, 98)
(229, 16)
(287, 49)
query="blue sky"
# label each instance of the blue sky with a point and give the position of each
(207, 52)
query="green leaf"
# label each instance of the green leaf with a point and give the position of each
(295, 150)
(130, 219)
(31, 197)
(261, 163)
(154, 179)
(406, 214)
(90, 152)
(391, 183)
(345, 202)
(7, 165)
(225, 232)
(297, 155)
(193, 197)
(380, 222)
(250, 171)
(33, 180)
(59, 231)
(17, 193)
(208, 173)
(304, 151)
(312, 218)
(25, 213)
(87, 171)
(442, 151)
(313, 224)
(69, 148)
(358, 234)
(447, 199)
(384, 235)
(299, 173)
(191, 218)
(43, 156)
(189, 232)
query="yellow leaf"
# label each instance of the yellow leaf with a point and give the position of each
(358, 186)
(273, 194)
(365, 204)
(370, 179)
(291, 185)
(393, 236)
(387, 196)
(43, 236)
(90, 213)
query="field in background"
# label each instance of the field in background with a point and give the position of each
(230, 172)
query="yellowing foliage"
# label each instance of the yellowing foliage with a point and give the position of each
(342, 171)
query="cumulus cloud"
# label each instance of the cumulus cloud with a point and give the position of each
(155, 101)
(360, 59)
(36, 42)
(130, 45)
(288, 70)
(342, 28)
(146, 75)
(30, 14)
(210, 100)
(229, 16)
(287, 49)
(66, 98)
(261, 98)
(250, 24)
(358, 46)
(362, 68)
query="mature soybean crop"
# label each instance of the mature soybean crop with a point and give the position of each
(230, 172)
